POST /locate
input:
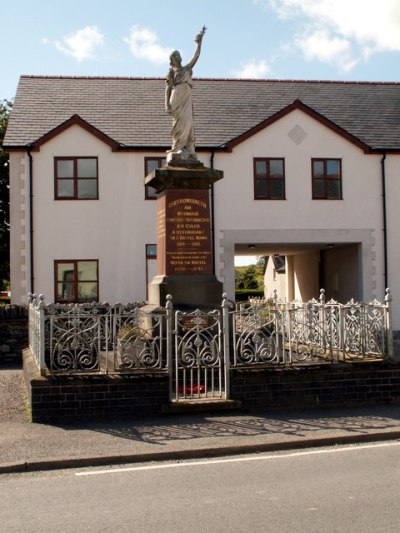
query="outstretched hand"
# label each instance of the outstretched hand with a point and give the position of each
(200, 35)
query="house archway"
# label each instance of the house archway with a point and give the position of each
(340, 261)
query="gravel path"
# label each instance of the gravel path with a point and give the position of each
(12, 395)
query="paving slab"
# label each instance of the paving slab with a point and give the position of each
(25, 446)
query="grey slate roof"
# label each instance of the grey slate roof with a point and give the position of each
(131, 110)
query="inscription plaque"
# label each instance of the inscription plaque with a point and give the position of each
(183, 232)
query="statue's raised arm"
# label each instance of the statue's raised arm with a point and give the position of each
(178, 103)
(198, 39)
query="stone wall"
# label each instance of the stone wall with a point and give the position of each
(13, 332)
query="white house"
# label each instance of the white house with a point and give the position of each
(311, 172)
(275, 276)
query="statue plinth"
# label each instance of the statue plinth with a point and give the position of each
(184, 243)
(175, 159)
(183, 177)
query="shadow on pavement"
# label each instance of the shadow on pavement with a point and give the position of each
(178, 428)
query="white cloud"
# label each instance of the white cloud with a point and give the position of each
(143, 43)
(345, 26)
(82, 44)
(324, 47)
(253, 69)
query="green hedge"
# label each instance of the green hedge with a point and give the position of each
(242, 295)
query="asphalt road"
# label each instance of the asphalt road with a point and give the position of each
(351, 489)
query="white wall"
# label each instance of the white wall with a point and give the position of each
(274, 281)
(116, 228)
(306, 276)
(392, 167)
(113, 229)
(342, 269)
(300, 219)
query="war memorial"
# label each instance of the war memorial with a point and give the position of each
(191, 347)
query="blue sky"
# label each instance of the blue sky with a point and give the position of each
(278, 39)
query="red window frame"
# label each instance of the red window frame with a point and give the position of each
(72, 284)
(326, 180)
(268, 179)
(149, 192)
(75, 178)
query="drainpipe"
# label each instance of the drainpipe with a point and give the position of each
(385, 247)
(212, 228)
(32, 277)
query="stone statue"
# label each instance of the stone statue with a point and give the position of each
(178, 103)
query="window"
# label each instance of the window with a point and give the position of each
(151, 264)
(150, 164)
(76, 281)
(269, 178)
(326, 179)
(76, 178)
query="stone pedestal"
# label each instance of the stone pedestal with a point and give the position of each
(184, 244)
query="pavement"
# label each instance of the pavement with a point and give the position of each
(30, 447)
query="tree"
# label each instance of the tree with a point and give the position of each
(261, 263)
(247, 278)
(5, 108)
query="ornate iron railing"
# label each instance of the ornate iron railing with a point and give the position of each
(280, 332)
(198, 356)
(199, 348)
(95, 338)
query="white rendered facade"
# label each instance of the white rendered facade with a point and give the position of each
(345, 235)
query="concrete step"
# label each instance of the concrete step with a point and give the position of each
(200, 405)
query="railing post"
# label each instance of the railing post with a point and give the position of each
(342, 329)
(388, 323)
(169, 324)
(226, 305)
(287, 335)
(42, 334)
(30, 321)
(322, 317)
(278, 329)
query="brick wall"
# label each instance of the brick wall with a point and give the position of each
(330, 385)
(87, 398)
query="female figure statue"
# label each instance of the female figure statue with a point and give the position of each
(178, 101)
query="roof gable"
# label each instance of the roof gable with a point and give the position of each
(297, 105)
(75, 120)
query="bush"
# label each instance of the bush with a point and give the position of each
(242, 295)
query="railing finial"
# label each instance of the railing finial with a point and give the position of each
(388, 295)
(169, 304)
(322, 296)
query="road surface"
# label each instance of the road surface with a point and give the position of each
(338, 489)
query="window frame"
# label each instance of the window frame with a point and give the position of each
(75, 178)
(268, 178)
(326, 179)
(75, 281)
(161, 160)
